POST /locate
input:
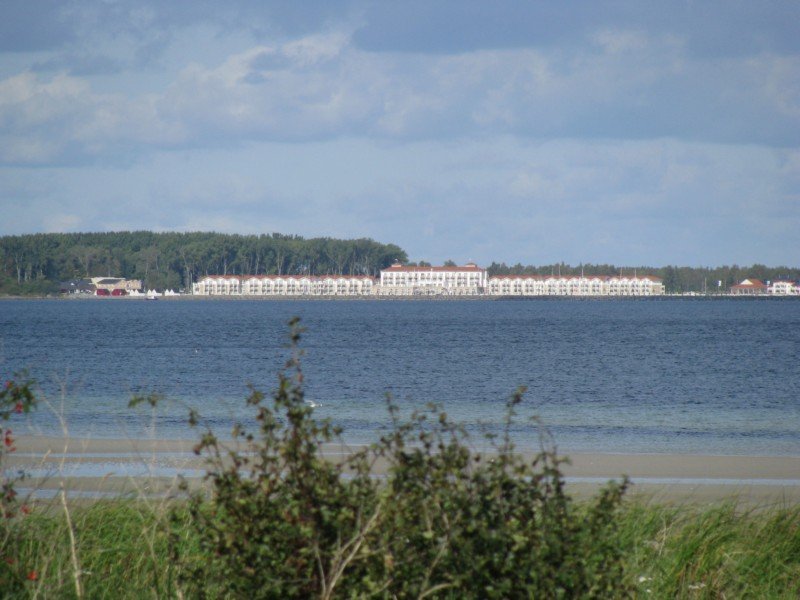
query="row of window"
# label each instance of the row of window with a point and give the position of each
(282, 287)
(575, 289)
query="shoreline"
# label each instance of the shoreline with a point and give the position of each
(104, 466)
(697, 297)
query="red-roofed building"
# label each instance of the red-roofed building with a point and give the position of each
(284, 285)
(575, 285)
(783, 287)
(750, 287)
(406, 280)
(401, 280)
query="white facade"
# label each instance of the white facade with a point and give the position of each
(399, 280)
(116, 283)
(283, 285)
(591, 285)
(784, 288)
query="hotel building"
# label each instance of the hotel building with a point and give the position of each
(284, 285)
(575, 285)
(400, 280)
(784, 288)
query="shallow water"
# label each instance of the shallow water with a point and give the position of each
(678, 376)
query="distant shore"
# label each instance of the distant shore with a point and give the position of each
(190, 297)
(88, 466)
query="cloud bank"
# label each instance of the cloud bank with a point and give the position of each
(611, 131)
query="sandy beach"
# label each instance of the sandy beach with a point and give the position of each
(87, 467)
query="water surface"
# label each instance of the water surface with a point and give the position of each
(709, 377)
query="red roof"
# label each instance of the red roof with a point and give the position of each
(571, 277)
(751, 283)
(287, 277)
(398, 268)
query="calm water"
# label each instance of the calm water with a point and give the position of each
(714, 377)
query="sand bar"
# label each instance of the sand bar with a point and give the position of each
(100, 464)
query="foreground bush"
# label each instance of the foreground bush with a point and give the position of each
(283, 521)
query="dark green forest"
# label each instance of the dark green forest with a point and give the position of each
(676, 279)
(36, 263)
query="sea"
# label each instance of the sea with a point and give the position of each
(670, 375)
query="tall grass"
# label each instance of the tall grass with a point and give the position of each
(718, 551)
(123, 547)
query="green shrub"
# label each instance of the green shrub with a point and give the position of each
(280, 520)
(16, 398)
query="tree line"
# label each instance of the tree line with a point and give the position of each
(676, 279)
(36, 263)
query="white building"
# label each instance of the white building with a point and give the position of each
(116, 283)
(399, 280)
(284, 285)
(784, 288)
(577, 285)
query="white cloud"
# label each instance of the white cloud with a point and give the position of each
(60, 119)
(56, 223)
(780, 77)
(622, 85)
(28, 102)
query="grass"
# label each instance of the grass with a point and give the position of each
(121, 548)
(713, 552)
(123, 551)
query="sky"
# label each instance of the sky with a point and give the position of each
(625, 132)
